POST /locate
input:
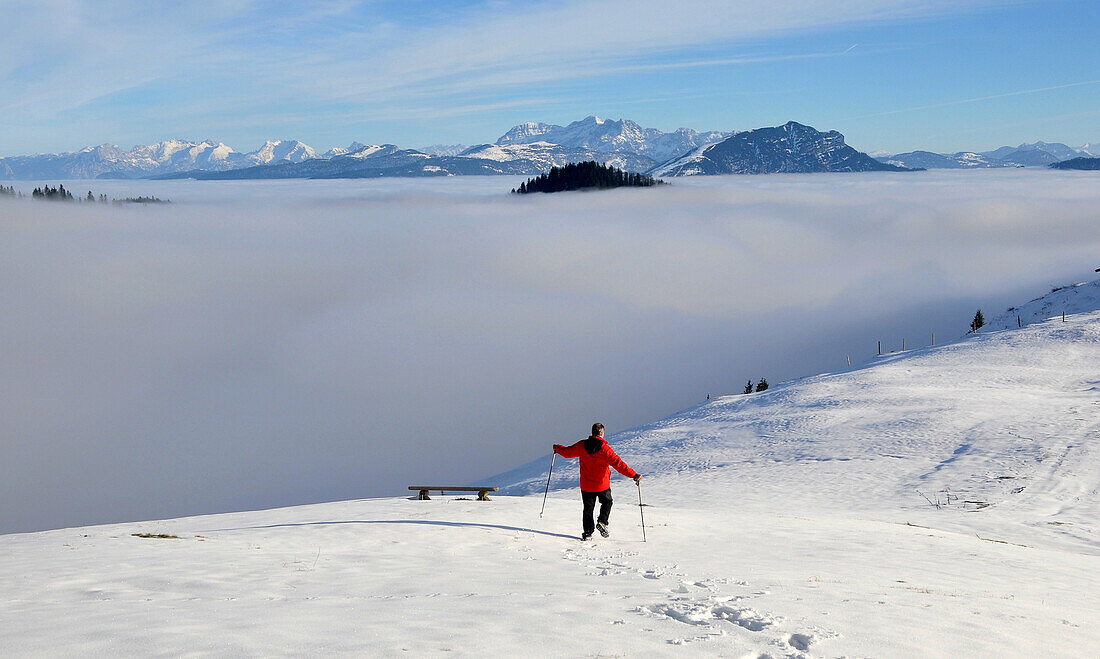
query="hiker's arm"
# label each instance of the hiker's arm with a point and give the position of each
(623, 468)
(573, 451)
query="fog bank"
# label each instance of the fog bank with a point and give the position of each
(267, 343)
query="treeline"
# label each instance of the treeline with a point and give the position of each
(585, 176)
(59, 193)
(142, 200)
(52, 194)
(760, 386)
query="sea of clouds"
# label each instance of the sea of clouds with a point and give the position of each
(268, 343)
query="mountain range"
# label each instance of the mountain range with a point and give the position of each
(525, 149)
(109, 161)
(1036, 154)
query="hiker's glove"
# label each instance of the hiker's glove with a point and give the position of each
(558, 448)
(638, 479)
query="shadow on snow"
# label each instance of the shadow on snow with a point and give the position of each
(402, 521)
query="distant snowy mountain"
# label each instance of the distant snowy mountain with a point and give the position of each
(370, 161)
(929, 160)
(109, 161)
(607, 136)
(537, 157)
(1056, 150)
(1035, 154)
(792, 147)
(280, 151)
(444, 149)
(167, 157)
(341, 150)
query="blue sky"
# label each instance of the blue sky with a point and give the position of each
(892, 75)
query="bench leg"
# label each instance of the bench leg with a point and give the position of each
(424, 496)
(483, 495)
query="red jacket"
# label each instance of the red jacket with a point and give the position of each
(597, 458)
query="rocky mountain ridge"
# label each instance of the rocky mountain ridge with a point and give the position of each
(790, 148)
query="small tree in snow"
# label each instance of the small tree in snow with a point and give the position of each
(978, 322)
(762, 385)
(748, 388)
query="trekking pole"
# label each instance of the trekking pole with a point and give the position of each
(547, 485)
(640, 509)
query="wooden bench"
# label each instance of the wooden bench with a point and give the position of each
(482, 492)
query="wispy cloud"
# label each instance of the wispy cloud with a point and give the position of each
(255, 58)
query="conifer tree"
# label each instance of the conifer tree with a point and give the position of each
(585, 175)
(762, 385)
(978, 322)
(748, 388)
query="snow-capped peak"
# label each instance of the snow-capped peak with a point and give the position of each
(281, 151)
(342, 150)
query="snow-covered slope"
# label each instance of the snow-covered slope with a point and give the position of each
(1075, 299)
(938, 502)
(1006, 410)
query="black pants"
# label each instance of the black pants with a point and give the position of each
(589, 499)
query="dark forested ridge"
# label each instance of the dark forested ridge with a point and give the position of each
(585, 176)
(1078, 163)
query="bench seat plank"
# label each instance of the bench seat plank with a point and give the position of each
(482, 492)
(454, 489)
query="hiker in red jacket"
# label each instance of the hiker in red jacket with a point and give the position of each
(597, 458)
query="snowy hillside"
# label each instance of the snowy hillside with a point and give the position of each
(942, 501)
(998, 419)
(1074, 299)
